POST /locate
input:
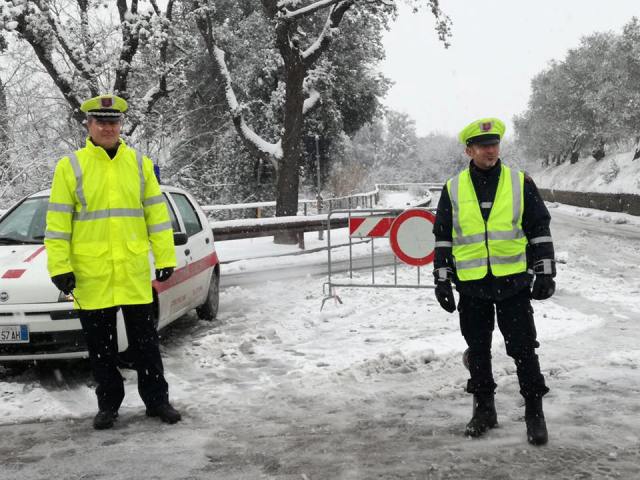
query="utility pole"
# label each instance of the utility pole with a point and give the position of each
(318, 183)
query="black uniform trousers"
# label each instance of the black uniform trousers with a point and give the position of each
(99, 327)
(515, 320)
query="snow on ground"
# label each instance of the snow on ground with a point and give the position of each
(617, 173)
(370, 388)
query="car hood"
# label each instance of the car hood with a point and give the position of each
(23, 275)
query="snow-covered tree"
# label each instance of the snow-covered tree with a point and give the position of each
(91, 47)
(586, 101)
(301, 32)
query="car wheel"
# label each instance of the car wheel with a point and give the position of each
(209, 309)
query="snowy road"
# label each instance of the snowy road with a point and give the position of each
(372, 388)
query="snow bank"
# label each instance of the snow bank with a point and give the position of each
(617, 173)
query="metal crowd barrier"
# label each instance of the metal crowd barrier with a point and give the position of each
(328, 288)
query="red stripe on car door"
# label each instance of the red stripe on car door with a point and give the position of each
(34, 254)
(185, 273)
(17, 273)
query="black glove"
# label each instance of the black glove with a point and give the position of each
(163, 274)
(543, 287)
(65, 282)
(444, 294)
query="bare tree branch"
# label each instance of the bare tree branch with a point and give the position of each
(43, 49)
(80, 65)
(257, 146)
(160, 90)
(309, 9)
(323, 41)
(130, 43)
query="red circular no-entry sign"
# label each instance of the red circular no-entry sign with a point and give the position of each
(412, 238)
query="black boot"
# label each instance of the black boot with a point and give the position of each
(484, 415)
(165, 412)
(536, 425)
(104, 419)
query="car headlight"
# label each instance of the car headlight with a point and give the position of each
(65, 298)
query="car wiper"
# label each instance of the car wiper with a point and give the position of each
(9, 240)
(19, 241)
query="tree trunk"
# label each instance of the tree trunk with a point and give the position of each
(4, 123)
(599, 151)
(575, 155)
(288, 172)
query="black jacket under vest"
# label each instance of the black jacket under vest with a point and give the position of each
(535, 223)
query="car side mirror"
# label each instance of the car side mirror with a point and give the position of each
(180, 238)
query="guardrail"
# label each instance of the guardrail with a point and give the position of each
(266, 227)
(403, 186)
(305, 206)
(610, 202)
(310, 207)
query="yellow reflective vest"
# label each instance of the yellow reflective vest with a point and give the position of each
(104, 215)
(500, 243)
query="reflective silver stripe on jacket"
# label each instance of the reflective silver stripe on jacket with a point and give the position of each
(444, 244)
(514, 234)
(481, 262)
(515, 190)
(153, 200)
(60, 207)
(469, 239)
(141, 172)
(546, 264)
(508, 235)
(535, 240)
(159, 227)
(480, 237)
(75, 164)
(51, 235)
(512, 259)
(478, 262)
(455, 205)
(443, 273)
(108, 213)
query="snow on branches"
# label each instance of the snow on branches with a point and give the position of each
(89, 47)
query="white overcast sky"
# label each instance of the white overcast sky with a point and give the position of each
(498, 46)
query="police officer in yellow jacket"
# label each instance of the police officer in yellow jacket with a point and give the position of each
(105, 213)
(492, 236)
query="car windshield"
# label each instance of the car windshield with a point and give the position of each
(25, 223)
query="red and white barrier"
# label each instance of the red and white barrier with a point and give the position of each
(373, 226)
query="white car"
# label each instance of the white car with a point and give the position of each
(37, 321)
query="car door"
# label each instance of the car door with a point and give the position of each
(197, 250)
(173, 294)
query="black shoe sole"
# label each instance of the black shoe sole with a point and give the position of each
(103, 427)
(479, 434)
(106, 426)
(538, 442)
(170, 421)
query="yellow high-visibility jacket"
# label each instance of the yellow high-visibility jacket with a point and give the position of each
(499, 243)
(104, 214)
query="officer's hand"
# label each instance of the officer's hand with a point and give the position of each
(444, 294)
(543, 287)
(65, 282)
(163, 274)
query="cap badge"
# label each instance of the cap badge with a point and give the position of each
(486, 126)
(106, 102)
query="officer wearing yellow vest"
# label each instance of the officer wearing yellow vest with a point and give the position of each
(492, 238)
(105, 212)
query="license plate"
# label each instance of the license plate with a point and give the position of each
(14, 334)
